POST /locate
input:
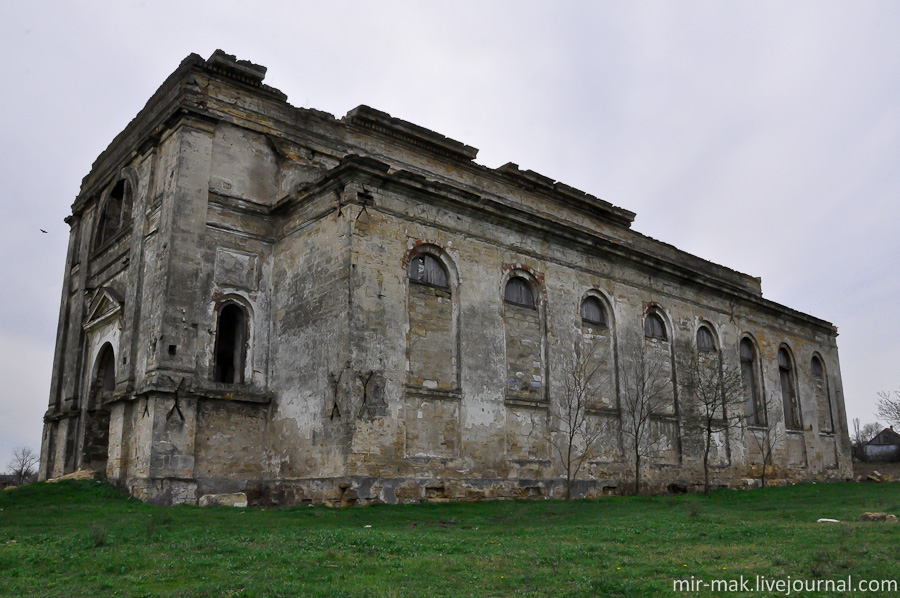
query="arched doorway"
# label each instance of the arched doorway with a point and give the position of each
(96, 428)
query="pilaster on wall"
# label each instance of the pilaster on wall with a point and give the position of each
(67, 354)
(185, 170)
(59, 355)
(141, 177)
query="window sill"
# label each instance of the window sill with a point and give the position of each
(117, 236)
(422, 392)
(758, 427)
(445, 289)
(527, 403)
(221, 391)
(603, 411)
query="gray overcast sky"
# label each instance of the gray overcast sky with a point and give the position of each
(764, 136)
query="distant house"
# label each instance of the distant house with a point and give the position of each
(885, 446)
(7, 480)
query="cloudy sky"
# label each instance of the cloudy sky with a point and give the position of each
(764, 136)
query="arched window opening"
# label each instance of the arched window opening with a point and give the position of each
(518, 292)
(592, 312)
(753, 407)
(823, 401)
(109, 221)
(427, 269)
(116, 213)
(816, 368)
(525, 376)
(788, 392)
(231, 341)
(705, 341)
(432, 334)
(654, 327)
(105, 377)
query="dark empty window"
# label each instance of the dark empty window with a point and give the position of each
(116, 213)
(753, 407)
(95, 442)
(788, 392)
(654, 327)
(592, 312)
(705, 341)
(105, 380)
(231, 340)
(518, 292)
(427, 269)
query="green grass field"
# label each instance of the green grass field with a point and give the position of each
(85, 538)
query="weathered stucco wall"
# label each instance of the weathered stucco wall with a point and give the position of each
(351, 383)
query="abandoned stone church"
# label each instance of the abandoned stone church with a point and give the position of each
(267, 299)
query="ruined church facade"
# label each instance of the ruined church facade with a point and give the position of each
(267, 299)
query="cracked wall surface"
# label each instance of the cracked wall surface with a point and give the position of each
(358, 384)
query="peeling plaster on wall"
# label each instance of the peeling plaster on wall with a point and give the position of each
(360, 386)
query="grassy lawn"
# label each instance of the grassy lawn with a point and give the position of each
(85, 538)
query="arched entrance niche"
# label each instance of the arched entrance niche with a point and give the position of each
(96, 428)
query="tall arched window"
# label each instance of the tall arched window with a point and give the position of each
(788, 391)
(654, 327)
(597, 354)
(705, 341)
(431, 342)
(656, 375)
(231, 344)
(754, 409)
(524, 342)
(823, 402)
(115, 214)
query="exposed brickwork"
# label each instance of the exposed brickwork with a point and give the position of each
(359, 386)
(431, 338)
(524, 354)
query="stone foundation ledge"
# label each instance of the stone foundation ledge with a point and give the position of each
(361, 490)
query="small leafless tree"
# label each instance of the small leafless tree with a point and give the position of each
(22, 463)
(712, 397)
(766, 438)
(645, 392)
(889, 407)
(574, 430)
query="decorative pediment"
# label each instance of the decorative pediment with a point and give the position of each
(105, 306)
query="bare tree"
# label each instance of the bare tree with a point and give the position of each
(574, 429)
(711, 399)
(866, 432)
(766, 438)
(645, 392)
(22, 463)
(889, 407)
(869, 431)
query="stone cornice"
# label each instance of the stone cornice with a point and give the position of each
(697, 272)
(411, 134)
